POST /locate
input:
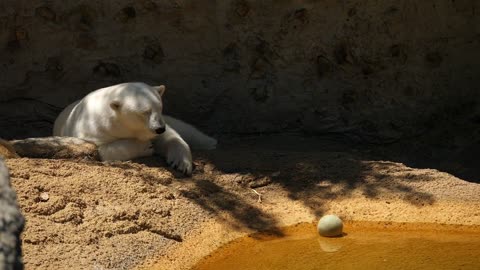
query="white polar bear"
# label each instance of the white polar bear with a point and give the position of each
(125, 121)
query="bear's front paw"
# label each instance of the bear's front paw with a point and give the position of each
(179, 157)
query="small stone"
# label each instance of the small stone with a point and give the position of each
(44, 197)
(330, 226)
(170, 196)
(260, 182)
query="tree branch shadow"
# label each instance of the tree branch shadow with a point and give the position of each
(317, 177)
(226, 206)
(229, 207)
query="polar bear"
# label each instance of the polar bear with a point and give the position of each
(125, 121)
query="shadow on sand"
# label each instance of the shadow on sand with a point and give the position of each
(312, 173)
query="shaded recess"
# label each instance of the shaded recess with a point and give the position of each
(373, 72)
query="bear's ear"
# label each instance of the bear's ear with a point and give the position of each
(160, 89)
(115, 105)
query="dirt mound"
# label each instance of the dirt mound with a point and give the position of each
(122, 215)
(80, 213)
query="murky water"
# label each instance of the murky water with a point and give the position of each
(362, 248)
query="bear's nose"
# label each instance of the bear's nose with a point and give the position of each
(160, 130)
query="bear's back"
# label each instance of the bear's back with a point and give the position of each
(89, 118)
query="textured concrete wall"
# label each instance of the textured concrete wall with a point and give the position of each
(11, 224)
(373, 70)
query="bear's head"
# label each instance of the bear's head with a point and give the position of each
(138, 110)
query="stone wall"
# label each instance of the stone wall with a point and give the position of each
(372, 70)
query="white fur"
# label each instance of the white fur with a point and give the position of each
(121, 120)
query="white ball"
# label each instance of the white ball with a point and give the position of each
(330, 226)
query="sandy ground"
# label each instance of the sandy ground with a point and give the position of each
(139, 214)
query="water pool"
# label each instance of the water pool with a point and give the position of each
(364, 246)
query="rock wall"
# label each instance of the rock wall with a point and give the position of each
(372, 70)
(11, 224)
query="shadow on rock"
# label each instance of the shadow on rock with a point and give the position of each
(229, 207)
(202, 190)
(316, 176)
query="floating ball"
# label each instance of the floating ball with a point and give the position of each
(330, 226)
